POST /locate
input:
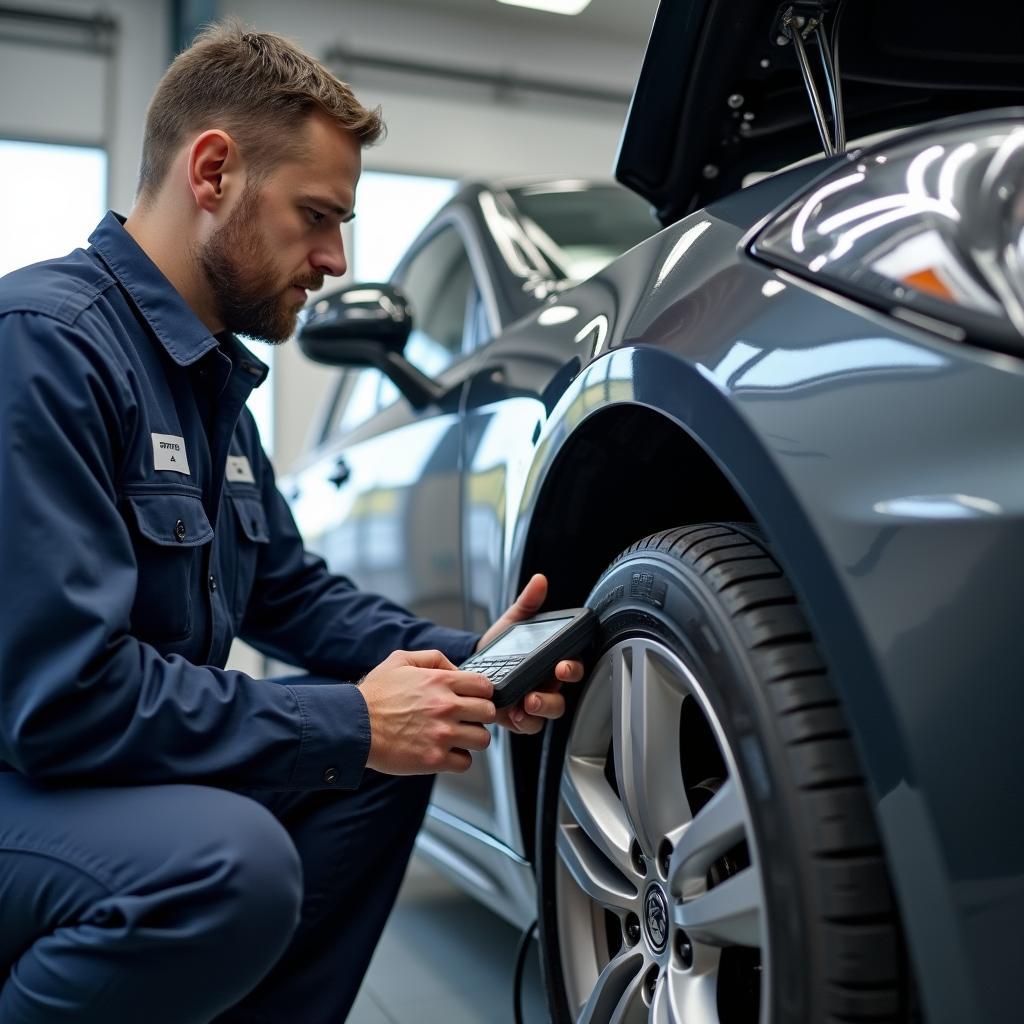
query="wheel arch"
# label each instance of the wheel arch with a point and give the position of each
(597, 467)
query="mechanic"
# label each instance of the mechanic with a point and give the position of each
(180, 842)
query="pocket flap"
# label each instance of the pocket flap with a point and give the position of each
(252, 517)
(172, 520)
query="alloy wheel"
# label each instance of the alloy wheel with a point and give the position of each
(660, 904)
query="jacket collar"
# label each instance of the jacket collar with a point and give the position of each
(175, 325)
(240, 356)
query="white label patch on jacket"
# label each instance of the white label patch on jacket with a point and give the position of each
(239, 471)
(169, 453)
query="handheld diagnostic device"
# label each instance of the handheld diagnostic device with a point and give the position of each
(524, 657)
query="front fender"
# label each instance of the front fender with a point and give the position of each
(883, 465)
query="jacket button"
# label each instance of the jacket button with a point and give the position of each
(179, 530)
(331, 776)
(213, 583)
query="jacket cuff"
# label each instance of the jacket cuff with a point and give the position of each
(335, 736)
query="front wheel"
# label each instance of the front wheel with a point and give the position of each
(706, 848)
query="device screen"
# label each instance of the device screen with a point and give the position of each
(527, 637)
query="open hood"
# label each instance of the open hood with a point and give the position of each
(721, 93)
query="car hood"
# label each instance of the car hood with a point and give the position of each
(720, 94)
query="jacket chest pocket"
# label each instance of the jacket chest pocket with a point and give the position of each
(253, 535)
(169, 532)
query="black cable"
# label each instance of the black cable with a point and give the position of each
(517, 980)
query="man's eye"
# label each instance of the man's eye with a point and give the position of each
(315, 216)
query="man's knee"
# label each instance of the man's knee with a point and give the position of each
(255, 876)
(247, 885)
(226, 900)
(194, 895)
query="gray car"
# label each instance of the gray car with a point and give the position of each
(775, 446)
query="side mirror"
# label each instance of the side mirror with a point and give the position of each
(367, 325)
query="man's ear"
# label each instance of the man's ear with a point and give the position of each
(214, 167)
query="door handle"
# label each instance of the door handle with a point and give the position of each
(341, 473)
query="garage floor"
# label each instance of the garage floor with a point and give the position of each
(444, 959)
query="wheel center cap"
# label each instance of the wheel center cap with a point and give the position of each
(656, 918)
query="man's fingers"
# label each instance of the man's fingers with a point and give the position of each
(422, 659)
(477, 709)
(470, 737)
(534, 710)
(527, 604)
(528, 725)
(457, 761)
(532, 597)
(472, 684)
(569, 671)
(544, 705)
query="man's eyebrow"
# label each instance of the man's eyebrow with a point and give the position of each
(340, 211)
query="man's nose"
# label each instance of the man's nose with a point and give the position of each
(330, 259)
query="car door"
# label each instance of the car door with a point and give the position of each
(379, 499)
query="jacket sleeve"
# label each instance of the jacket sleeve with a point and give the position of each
(301, 613)
(80, 697)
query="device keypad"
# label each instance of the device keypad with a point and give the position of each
(494, 668)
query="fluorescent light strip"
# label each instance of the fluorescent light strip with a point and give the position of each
(551, 6)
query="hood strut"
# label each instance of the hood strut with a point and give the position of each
(797, 22)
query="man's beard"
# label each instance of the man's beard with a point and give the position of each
(240, 271)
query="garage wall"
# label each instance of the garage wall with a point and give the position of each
(36, 103)
(55, 95)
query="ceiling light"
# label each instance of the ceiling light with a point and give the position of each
(552, 6)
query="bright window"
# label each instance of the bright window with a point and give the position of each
(261, 401)
(51, 198)
(391, 210)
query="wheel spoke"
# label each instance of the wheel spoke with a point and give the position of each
(692, 998)
(729, 914)
(661, 1005)
(593, 873)
(718, 826)
(616, 986)
(645, 737)
(593, 806)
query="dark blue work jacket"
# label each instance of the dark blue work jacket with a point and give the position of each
(141, 531)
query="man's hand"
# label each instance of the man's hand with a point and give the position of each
(530, 714)
(425, 715)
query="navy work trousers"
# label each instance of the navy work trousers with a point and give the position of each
(181, 904)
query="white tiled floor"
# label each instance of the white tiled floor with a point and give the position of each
(444, 959)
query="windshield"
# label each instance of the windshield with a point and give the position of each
(583, 227)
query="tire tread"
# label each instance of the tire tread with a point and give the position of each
(863, 946)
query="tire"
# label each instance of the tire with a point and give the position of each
(710, 704)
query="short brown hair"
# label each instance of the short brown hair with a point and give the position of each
(257, 86)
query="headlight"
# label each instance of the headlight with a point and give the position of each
(931, 225)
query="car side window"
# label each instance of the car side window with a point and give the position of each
(357, 400)
(438, 282)
(447, 320)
